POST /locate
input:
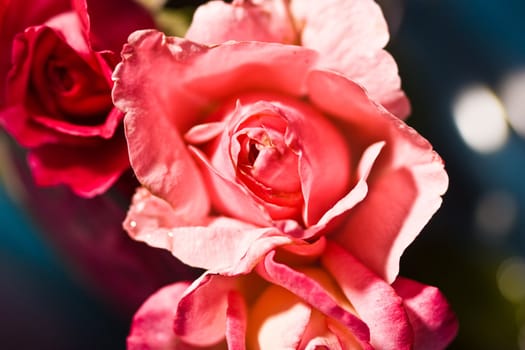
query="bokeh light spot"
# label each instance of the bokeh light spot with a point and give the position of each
(479, 116)
(512, 93)
(496, 214)
(511, 279)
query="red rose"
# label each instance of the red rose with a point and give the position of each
(56, 65)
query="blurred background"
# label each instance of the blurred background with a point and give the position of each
(463, 67)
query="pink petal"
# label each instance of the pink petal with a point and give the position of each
(151, 327)
(228, 196)
(356, 194)
(206, 74)
(87, 170)
(217, 244)
(230, 193)
(148, 213)
(379, 75)
(203, 133)
(319, 150)
(432, 319)
(202, 313)
(316, 150)
(350, 36)
(259, 66)
(222, 248)
(157, 152)
(314, 294)
(375, 300)
(216, 22)
(405, 185)
(236, 321)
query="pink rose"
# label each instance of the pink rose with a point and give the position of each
(349, 35)
(335, 304)
(55, 68)
(285, 181)
(246, 146)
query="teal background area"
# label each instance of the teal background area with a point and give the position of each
(42, 306)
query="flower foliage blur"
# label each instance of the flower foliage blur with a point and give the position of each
(271, 152)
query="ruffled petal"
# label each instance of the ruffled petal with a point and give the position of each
(432, 319)
(148, 213)
(375, 300)
(157, 152)
(218, 244)
(350, 35)
(406, 182)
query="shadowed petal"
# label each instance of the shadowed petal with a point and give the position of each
(432, 319)
(151, 327)
(201, 317)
